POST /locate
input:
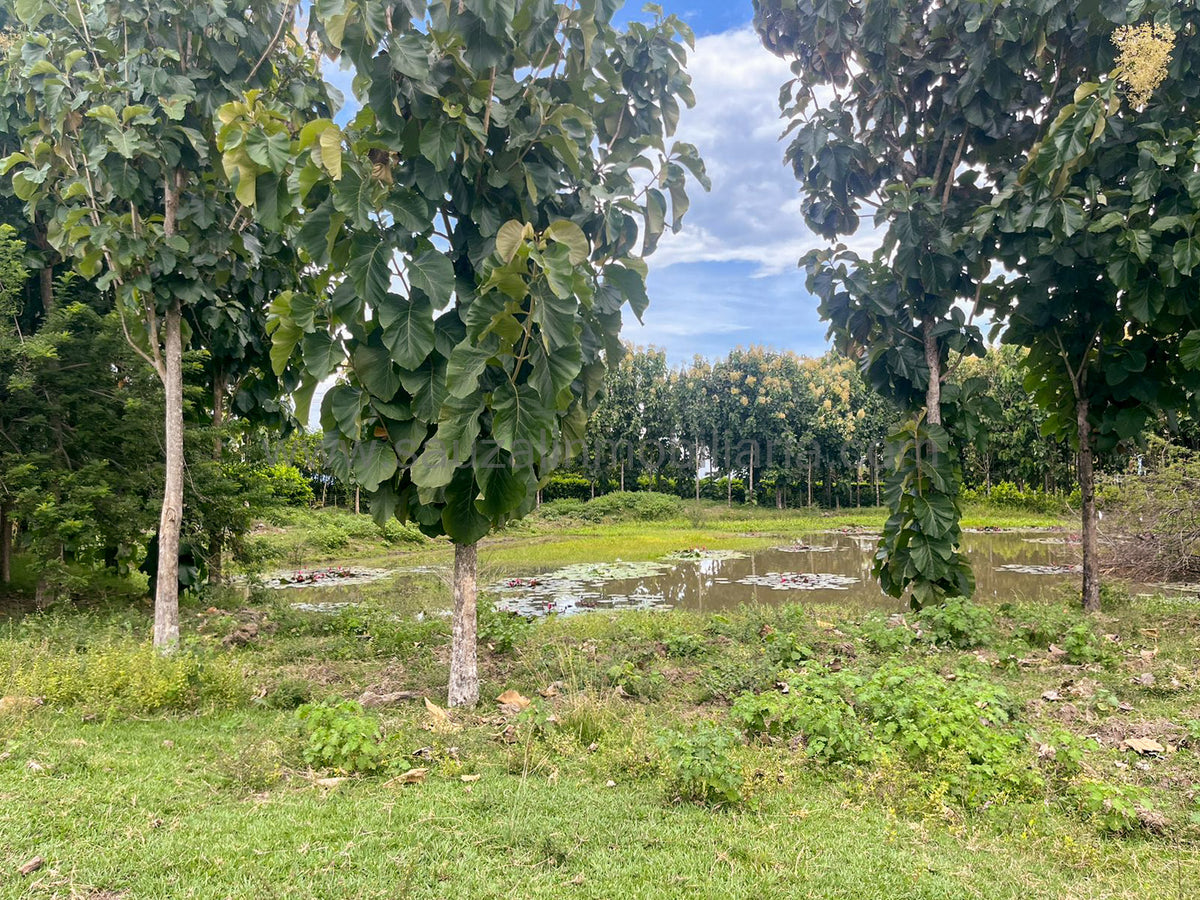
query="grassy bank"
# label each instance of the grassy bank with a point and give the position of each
(1002, 750)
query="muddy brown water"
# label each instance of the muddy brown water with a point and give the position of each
(819, 568)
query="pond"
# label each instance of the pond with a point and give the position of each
(820, 568)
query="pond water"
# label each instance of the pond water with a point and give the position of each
(819, 568)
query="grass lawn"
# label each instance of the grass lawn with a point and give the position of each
(989, 751)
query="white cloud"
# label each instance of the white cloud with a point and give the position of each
(753, 212)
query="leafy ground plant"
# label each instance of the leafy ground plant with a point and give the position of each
(702, 766)
(341, 737)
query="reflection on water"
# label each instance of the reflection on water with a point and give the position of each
(831, 568)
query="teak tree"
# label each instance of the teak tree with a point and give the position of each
(931, 111)
(122, 144)
(1097, 229)
(480, 224)
(886, 114)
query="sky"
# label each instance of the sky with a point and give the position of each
(730, 277)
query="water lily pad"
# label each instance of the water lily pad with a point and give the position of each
(800, 581)
(1039, 570)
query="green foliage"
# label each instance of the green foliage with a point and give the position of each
(787, 650)
(883, 636)
(499, 630)
(956, 622)
(288, 485)
(919, 550)
(566, 486)
(964, 725)
(1115, 809)
(685, 645)
(637, 506)
(490, 214)
(702, 767)
(289, 694)
(1008, 496)
(119, 676)
(635, 682)
(339, 736)
(817, 708)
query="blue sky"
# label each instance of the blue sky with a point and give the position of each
(730, 277)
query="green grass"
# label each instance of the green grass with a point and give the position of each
(173, 780)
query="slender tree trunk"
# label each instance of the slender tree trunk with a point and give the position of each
(622, 475)
(357, 500)
(696, 459)
(810, 482)
(1087, 488)
(750, 491)
(216, 543)
(933, 393)
(778, 498)
(166, 593)
(5, 546)
(46, 289)
(464, 671)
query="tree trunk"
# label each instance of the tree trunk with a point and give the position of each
(216, 543)
(464, 671)
(357, 500)
(750, 490)
(696, 460)
(166, 593)
(5, 546)
(810, 482)
(622, 475)
(933, 392)
(1087, 488)
(778, 497)
(46, 290)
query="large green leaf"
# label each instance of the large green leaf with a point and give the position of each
(521, 420)
(453, 445)
(433, 273)
(370, 267)
(374, 368)
(372, 463)
(438, 142)
(503, 490)
(322, 354)
(462, 521)
(407, 328)
(427, 384)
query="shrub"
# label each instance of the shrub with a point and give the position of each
(644, 506)
(1115, 809)
(340, 736)
(957, 622)
(817, 708)
(634, 682)
(123, 676)
(962, 728)
(701, 765)
(501, 631)
(567, 486)
(395, 532)
(879, 634)
(288, 485)
(685, 645)
(786, 650)
(328, 537)
(561, 509)
(289, 694)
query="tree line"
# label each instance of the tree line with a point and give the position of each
(777, 429)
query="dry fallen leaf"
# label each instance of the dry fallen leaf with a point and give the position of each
(328, 782)
(412, 776)
(1051, 696)
(610, 783)
(32, 866)
(470, 778)
(1143, 745)
(512, 701)
(439, 719)
(549, 691)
